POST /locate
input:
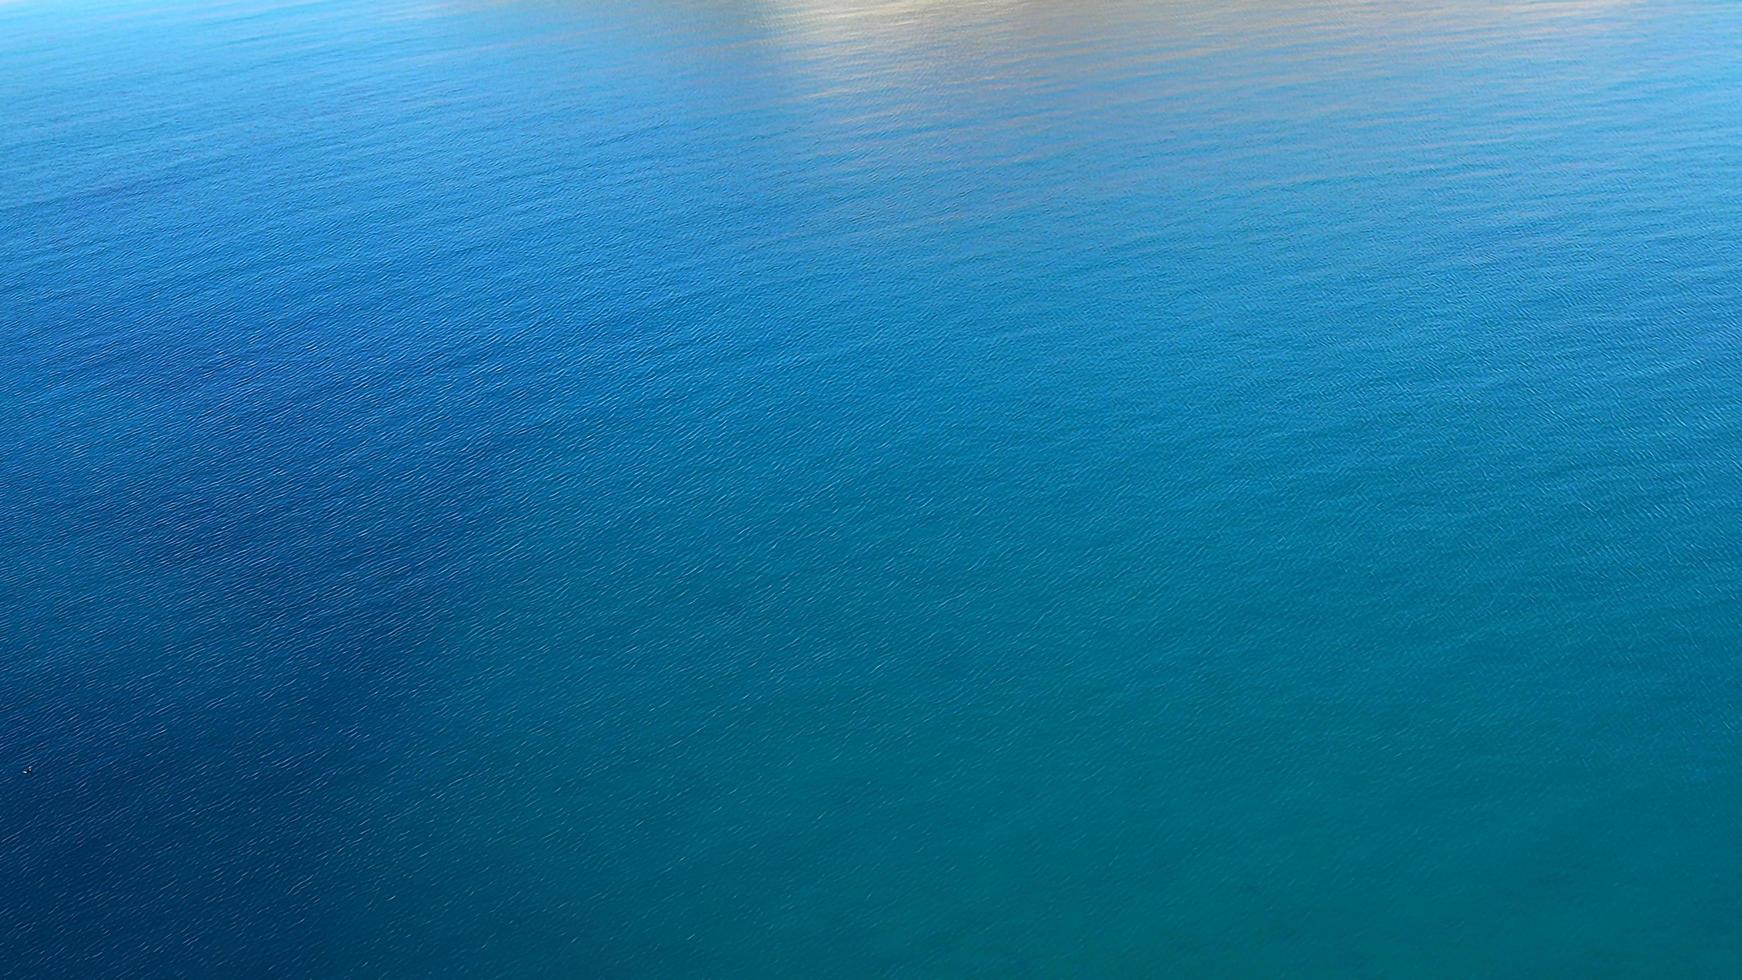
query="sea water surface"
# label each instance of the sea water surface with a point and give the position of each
(870, 488)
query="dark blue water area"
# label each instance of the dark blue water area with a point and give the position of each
(870, 488)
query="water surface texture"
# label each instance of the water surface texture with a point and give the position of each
(870, 488)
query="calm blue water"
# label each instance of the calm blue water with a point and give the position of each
(870, 488)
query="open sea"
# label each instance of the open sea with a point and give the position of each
(870, 488)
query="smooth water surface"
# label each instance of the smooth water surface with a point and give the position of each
(870, 488)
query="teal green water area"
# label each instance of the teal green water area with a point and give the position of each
(870, 488)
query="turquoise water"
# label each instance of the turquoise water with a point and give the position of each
(885, 488)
